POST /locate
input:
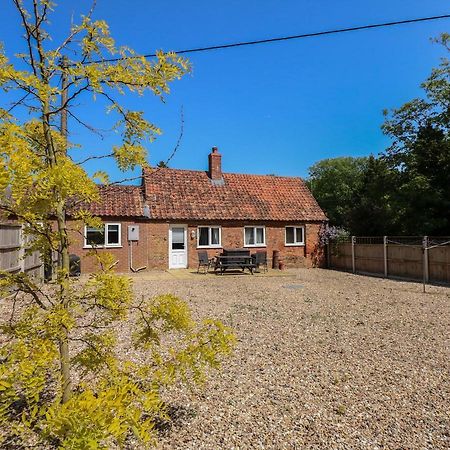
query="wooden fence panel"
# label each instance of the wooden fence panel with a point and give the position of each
(369, 258)
(33, 265)
(341, 255)
(10, 247)
(439, 264)
(403, 260)
(13, 257)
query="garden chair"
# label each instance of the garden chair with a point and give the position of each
(203, 261)
(261, 260)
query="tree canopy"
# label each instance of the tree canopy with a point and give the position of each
(420, 154)
(334, 183)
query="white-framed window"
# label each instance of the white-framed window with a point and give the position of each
(254, 237)
(209, 237)
(295, 236)
(107, 236)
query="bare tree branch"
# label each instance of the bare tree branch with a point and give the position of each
(28, 36)
(172, 154)
(24, 285)
(124, 180)
(86, 125)
(119, 108)
(69, 99)
(17, 103)
(42, 18)
(75, 31)
(13, 309)
(111, 155)
(180, 137)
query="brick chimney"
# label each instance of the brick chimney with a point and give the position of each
(215, 165)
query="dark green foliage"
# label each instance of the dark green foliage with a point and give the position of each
(334, 183)
(420, 152)
(373, 208)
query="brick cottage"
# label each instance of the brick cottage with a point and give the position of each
(174, 213)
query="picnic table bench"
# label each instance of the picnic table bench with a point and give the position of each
(234, 259)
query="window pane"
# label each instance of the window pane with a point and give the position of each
(249, 236)
(95, 236)
(113, 234)
(203, 236)
(299, 236)
(290, 235)
(178, 235)
(260, 235)
(215, 236)
(177, 238)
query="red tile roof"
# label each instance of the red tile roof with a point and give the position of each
(186, 194)
(120, 201)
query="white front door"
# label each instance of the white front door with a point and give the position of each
(177, 246)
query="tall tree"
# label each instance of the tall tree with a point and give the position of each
(407, 189)
(67, 325)
(420, 152)
(373, 205)
(334, 183)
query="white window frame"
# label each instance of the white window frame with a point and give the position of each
(254, 235)
(219, 245)
(119, 244)
(296, 243)
(106, 244)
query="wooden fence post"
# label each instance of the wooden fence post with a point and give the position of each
(385, 255)
(353, 254)
(426, 274)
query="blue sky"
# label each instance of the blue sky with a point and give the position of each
(274, 108)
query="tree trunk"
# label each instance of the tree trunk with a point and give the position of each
(64, 255)
(65, 268)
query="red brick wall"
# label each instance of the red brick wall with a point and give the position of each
(233, 237)
(158, 248)
(122, 254)
(152, 249)
(316, 253)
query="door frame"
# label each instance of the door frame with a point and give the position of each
(176, 225)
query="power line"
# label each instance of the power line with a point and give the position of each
(284, 38)
(265, 41)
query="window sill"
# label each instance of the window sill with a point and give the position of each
(90, 247)
(294, 245)
(212, 247)
(255, 246)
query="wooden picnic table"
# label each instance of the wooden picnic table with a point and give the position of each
(234, 261)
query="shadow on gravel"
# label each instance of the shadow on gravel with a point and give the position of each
(178, 415)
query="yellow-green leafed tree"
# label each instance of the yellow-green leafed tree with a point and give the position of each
(63, 380)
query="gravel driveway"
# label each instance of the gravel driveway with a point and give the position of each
(325, 360)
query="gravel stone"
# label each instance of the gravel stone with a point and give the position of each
(325, 360)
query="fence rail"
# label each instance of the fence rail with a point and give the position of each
(425, 258)
(13, 254)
